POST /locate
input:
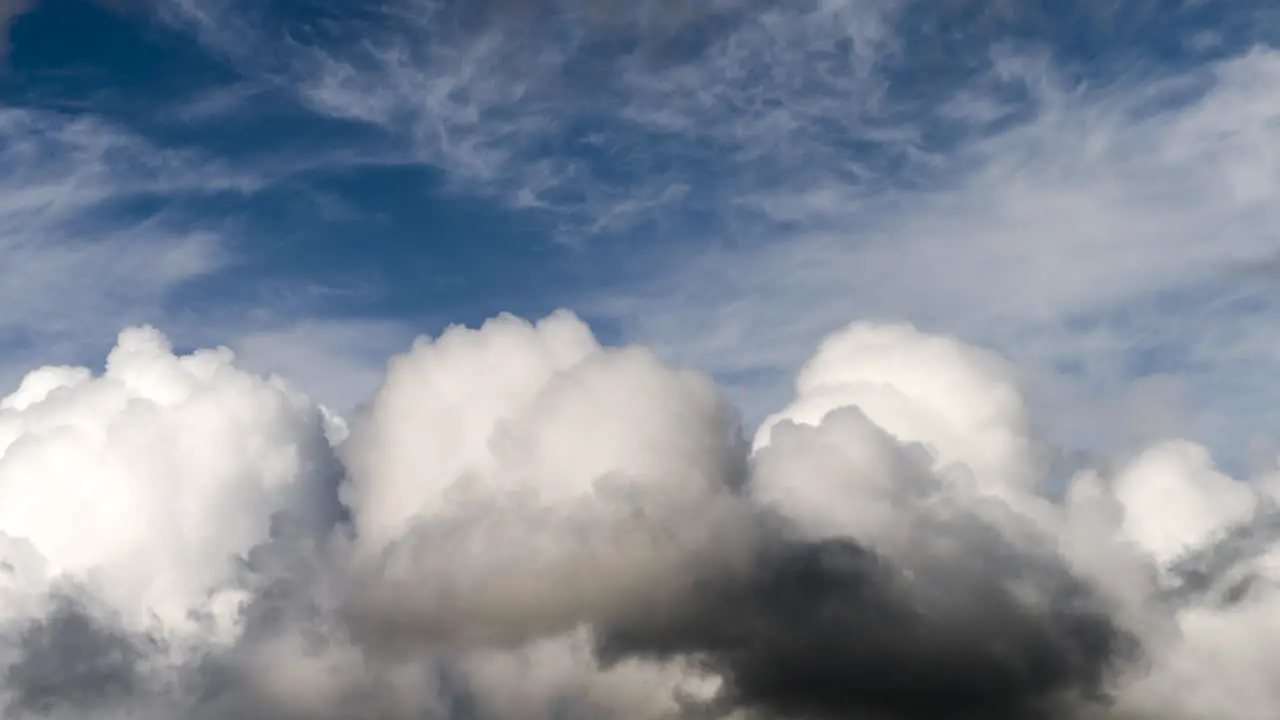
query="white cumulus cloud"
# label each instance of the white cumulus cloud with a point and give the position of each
(525, 523)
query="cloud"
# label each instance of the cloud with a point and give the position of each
(102, 227)
(74, 257)
(571, 484)
(72, 660)
(778, 167)
(961, 400)
(523, 523)
(827, 631)
(509, 100)
(339, 362)
(11, 10)
(173, 465)
(1070, 235)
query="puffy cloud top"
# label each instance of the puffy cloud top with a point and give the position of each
(146, 482)
(526, 524)
(959, 401)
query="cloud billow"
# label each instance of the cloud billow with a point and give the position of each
(525, 524)
(72, 660)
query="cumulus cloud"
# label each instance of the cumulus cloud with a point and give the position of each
(73, 660)
(156, 474)
(561, 484)
(962, 401)
(525, 523)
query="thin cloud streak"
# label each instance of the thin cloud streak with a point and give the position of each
(71, 258)
(791, 165)
(1110, 224)
(101, 226)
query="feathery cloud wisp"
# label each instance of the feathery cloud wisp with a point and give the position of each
(788, 165)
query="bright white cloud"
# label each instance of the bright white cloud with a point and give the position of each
(961, 402)
(539, 480)
(146, 482)
(465, 384)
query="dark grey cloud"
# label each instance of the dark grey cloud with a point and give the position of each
(1220, 572)
(75, 661)
(831, 629)
(990, 630)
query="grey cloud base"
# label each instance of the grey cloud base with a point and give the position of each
(825, 630)
(811, 629)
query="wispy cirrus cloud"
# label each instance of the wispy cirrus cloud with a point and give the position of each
(581, 110)
(338, 361)
(79, 249)
(1049, 178)
(1112, 232)
(103, 226)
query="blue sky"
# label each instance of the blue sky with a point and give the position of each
(1089, 187)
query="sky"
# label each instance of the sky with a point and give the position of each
(811, 269)
(1085, 186)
